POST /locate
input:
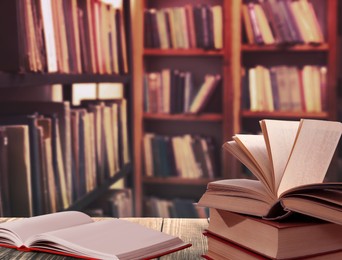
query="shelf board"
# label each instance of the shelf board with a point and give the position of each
(184, 117)
(98, 191)
(182, 52)
(293, 48)
(176, 181)
(35, 79)
(284, 114)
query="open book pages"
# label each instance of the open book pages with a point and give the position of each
(74, 233)
(289, 159)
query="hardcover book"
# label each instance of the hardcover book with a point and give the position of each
(73, 233)
(290, 160)
(271, 239)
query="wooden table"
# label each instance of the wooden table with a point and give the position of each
(189, 230)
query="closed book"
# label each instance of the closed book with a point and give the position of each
(19, 168)
(219, 248)
(35, 167)
(70, 13)
(279, 21)
(148, 36)
(264, 26)
(296, 237)
(5, 206)
(203, 95)
(49, 184)
(247, 24)
(62, 110)
(217, 16)
(13, 46)
(285, 5)
(258, 37)
(199, 26)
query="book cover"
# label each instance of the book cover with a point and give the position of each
(276, 239)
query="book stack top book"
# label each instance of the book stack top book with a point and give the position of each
(290, 160)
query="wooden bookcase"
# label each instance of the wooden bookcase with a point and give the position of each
(229, 117)
(14, 80)
(216, 120)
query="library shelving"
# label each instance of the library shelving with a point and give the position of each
(89, 42)
(211, 122)
(226, 112)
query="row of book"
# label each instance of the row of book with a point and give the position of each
(175, 208)
(184, 156)
(285, 88)
(173, 91)
(184, 27)
(84, 36)
(53, 154)
(283, 22)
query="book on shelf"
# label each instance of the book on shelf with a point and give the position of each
(19, 203)
(63, 36)
(204, 93)
(4, 176)
(285, 88)
(60, 110)
(184, 156)
(290, 160)
(282, 22)
(175, 208)
(184, 27)
(271, 239)
(73, 233)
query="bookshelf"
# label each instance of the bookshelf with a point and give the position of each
(323, 53)
(213, 121)
(21, 83)
(224, 115)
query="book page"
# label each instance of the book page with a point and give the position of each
(312, 153)
(279, 136)
(24, 228)
(108, 239)
(235, 150)
(255, 148)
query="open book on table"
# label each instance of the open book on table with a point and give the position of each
(290, 160)
(74, 233)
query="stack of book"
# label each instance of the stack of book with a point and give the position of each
(289, 212)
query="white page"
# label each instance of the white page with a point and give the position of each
(312, 153)
(280, 136)
(109, 238)
(24, 228)
(255, 147)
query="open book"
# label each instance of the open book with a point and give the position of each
(74, 233)
(290, 160)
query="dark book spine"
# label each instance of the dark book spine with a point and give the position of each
(198, 26)
(211, 44)
(275, 92)
(154, 29)
(118, 21)
(5, 210)
(255, 26)
(290, 21)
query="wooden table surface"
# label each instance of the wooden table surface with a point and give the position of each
(189, 230)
